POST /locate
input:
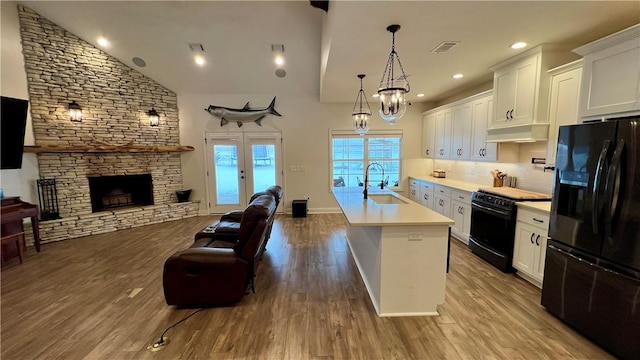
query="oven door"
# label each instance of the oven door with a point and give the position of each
(492, 234)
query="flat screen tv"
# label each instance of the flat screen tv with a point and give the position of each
(13, 121)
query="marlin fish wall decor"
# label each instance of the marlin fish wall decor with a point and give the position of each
(240, 116)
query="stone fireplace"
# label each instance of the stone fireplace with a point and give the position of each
(135, 168)
(118, 191)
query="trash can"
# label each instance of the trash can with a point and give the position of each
(299, 208)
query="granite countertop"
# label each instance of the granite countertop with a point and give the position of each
(366, 212)
(455, 184)
(544, 206)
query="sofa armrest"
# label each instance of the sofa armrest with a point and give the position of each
(207, 258)
(235, 216)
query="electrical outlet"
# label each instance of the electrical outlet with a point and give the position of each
(415, 236)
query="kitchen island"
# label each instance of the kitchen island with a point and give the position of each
(400, 248)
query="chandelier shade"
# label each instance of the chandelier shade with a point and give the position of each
(394, 85)
(360, 114)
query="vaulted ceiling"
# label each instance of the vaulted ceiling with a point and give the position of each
(325, 51)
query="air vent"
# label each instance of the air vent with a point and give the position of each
(277, 48)
(445, 46)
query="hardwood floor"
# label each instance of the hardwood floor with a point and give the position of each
(100, 297)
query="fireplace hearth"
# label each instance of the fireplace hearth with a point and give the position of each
(118, 191)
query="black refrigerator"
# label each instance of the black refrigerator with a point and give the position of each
(592, 268)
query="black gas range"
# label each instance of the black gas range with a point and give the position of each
(493, 223)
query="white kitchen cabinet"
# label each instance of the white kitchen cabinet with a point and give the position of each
(481, 112)
(514, 87)
(530, 244)
(611, 75)
(443, 134)
(442, 200)
(461, 214)
(521, 95)
(563, 102)
(461, 131)
(414, 190)
(426, 195)
(428, 135)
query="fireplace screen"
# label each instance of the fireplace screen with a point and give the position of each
(109, 192)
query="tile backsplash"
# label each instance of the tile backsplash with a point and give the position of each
(530, 176)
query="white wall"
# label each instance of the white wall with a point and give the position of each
(13, 80)
(304, 124)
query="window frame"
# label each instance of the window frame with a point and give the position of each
(345, 134)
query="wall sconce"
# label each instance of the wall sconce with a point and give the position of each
(154, 118)
(75, 111)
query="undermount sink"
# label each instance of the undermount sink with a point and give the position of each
(386, 199)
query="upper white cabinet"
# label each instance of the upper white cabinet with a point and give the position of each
(458, 131)
(514, 88)
(521, 95)
(461, 132)
(563, 102)
(481, 112)
(611, 75)
(443, 134)
(428, 135)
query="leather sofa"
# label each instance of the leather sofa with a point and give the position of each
(218, 272)
(228, 227)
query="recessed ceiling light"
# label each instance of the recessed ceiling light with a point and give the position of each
(375, 95)
(420, 95)
(103, 42)
(279, 59)
(518, 45)
(199, 59)
(458, 76)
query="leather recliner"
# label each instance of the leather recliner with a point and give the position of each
(213, 272)
(227, 228)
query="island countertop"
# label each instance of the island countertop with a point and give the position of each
(361, 212)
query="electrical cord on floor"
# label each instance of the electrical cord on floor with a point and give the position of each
(160, 342)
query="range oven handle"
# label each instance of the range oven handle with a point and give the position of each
(488, 210)
(602, 159)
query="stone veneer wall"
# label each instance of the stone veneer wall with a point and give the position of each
(115, 100)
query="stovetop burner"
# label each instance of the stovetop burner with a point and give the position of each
(492, 200)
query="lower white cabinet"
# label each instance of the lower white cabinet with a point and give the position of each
(414, 190)
(442, 204)
(461, 214)
(531, 244)
(426, 195)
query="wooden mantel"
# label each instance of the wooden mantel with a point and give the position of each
(106, 148)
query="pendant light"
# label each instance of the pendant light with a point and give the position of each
(393, 87)
(360, 115)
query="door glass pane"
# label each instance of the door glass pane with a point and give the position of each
(226, 171)
(264, 167)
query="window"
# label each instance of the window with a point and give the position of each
(351, 153)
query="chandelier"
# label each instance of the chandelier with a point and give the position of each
(393, 87)
(360, 115)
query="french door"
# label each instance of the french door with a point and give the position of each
(239, 165)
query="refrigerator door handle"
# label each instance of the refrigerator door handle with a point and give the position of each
(602, 164)
(612, 188)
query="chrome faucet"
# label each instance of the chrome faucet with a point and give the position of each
(366, 178)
